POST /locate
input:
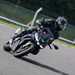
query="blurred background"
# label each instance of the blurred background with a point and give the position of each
(23, 11)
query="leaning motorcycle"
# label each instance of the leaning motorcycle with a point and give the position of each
(28, 43)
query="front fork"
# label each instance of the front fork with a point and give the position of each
(37, 40)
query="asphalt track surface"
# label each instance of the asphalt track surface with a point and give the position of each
(47, 62)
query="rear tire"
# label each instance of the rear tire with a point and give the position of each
(35, 51)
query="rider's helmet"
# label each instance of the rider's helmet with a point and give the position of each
(62, 22)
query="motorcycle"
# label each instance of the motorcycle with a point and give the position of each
(28, 43)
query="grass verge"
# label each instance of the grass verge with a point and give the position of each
(4, 22)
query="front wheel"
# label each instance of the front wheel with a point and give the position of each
(24, 49)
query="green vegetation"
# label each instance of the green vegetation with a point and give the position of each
(15, 12)
(69, 32)
(64, 43)
(51, 7)
(4, 22)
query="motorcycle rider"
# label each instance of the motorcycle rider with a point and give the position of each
(53, 26)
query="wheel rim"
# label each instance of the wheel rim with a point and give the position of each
(23, 49)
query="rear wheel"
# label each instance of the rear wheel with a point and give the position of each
(35, 51)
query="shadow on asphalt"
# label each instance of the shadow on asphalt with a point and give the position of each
(42, 65)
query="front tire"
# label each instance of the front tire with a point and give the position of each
(23, 49)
